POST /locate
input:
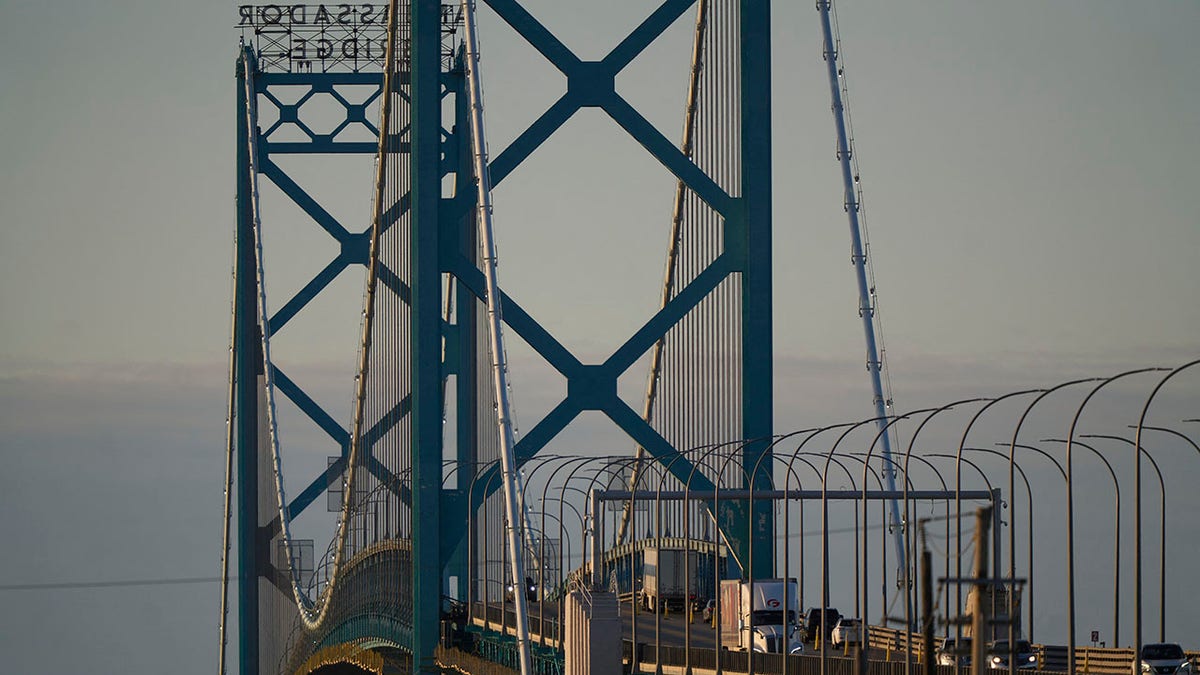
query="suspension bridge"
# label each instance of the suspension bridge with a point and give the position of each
(437, 549)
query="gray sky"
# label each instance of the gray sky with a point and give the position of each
(1029, 170)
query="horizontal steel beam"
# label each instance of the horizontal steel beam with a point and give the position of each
(870, 495)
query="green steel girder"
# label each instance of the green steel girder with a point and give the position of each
(755, 218)
(426, 417)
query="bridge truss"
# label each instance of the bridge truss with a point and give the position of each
(392, 565)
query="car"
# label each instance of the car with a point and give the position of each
(1162, 658)
(848, 631)
(710, 608)
(954, 651)
(999, 651)
(819, 621)
(531, 591)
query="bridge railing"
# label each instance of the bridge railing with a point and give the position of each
(895, 642)
(492, 617)
(705, 660)
(890, 642)
(1053, 658)
(1102, 660)
(501, 649)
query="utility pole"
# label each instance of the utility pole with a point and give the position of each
(979, 622)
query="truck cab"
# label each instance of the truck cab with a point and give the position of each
(761, 616)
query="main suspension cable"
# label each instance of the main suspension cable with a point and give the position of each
(496, 337)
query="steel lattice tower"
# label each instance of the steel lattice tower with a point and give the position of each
(442, 243)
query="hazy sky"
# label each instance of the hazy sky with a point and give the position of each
(1030, 171)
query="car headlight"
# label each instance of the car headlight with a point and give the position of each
(996, 659)
(1186, 665)
(1033, 659)
(1146, 667)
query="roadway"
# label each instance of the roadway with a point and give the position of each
(673, 629)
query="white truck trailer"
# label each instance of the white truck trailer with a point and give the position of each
(665, 578)
(758, 618)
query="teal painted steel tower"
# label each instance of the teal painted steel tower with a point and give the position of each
(439, 242)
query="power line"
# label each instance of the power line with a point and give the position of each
(63, 585)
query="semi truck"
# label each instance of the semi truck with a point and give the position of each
(625, 572)
(668, 574)
(757, 617)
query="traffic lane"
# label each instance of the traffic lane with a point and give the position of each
(673, 628)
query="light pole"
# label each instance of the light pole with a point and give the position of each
(634, 659)
(1071, 525)
(1012, 451)
(824, 527)
(908, 622)
(825, 628)
(770, 452)
(580, 518)
(870, 452)
(1012, 462)
(958, 461)
(1012, 573)
(958, 517)
(692, 474)
(687, 552)
(567, 461)
(798, 457)
(471, 554)
(1162, 535)
(564, 559)
(540, 552)
(1116, 533)
(795, 456)
(716, 553)
(1137, 503)
(945, 488)
(860, 657)
(1189, 441)
(586, 572)
(564, 542)
(814, 434)
(747, 571)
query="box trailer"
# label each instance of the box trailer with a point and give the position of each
(758, 617)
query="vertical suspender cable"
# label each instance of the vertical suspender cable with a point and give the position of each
(356, 432)
(229, 452)
(689, 125)
(495, 334)
(865, 293)
(313, 613)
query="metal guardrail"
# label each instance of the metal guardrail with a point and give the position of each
(704, 660)
(891, 642)
(502, 649)
(1100, 660)
(1051, 658)
(894, 641)
(493, 617)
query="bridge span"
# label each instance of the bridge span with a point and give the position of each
(398, 536)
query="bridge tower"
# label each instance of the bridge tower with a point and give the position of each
(322, 59)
